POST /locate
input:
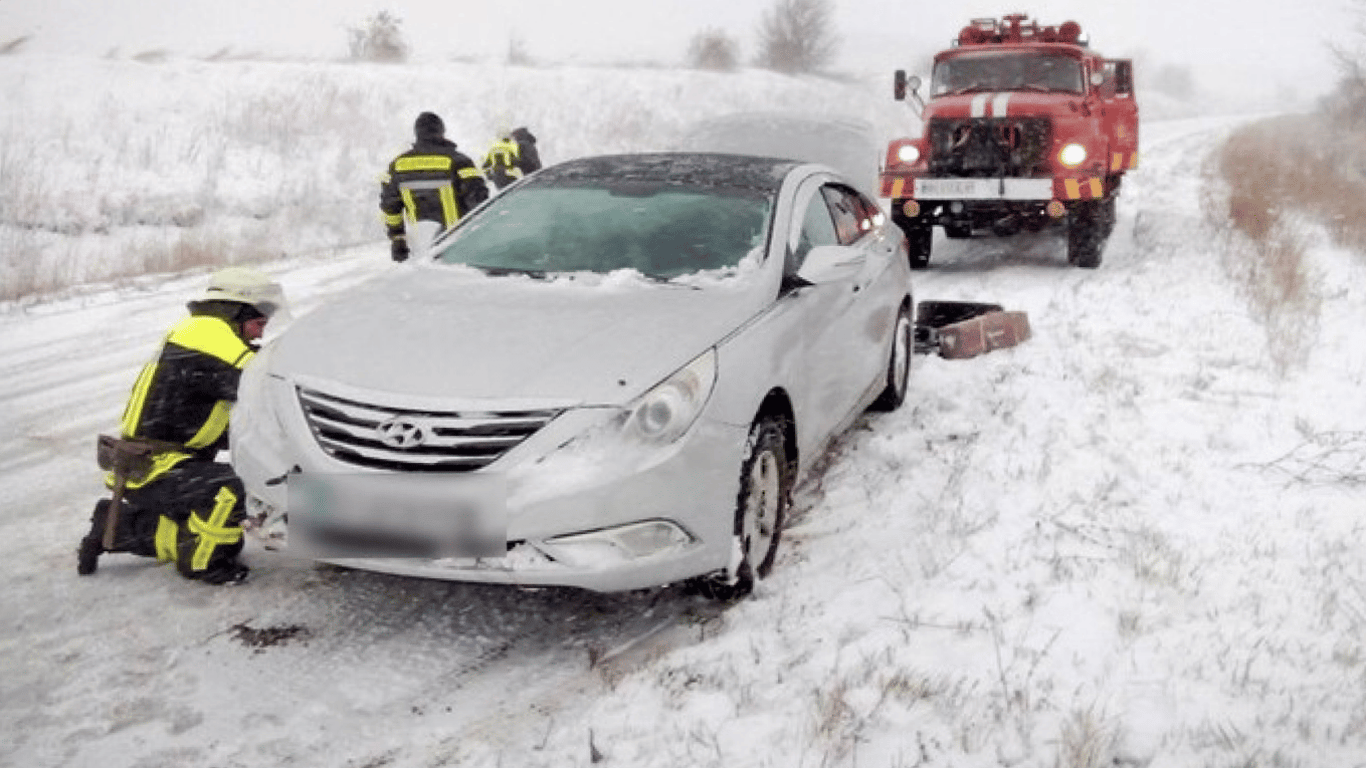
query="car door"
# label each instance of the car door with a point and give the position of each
(828, 313)
(860, 224)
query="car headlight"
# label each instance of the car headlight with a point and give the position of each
(664, 413)
(1072, 155)
(908, 153)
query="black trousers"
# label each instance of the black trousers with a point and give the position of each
(191, 516)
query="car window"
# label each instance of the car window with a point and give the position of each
(870, 213)
(854, 214)
(818, 228)
(661, 231)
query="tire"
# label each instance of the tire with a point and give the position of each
(898, 365)
(1086, 233)
(919, 239)
(957, 231)
(760, 511)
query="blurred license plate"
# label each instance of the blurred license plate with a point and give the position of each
(377, 515)
(971, 189)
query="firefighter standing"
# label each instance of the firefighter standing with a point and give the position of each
(431, 182)
(182, 506)
(511, 157)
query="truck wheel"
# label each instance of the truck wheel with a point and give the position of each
(898, 365)
(958, 231)
(1086, 231)
(760, 509)
(919, 237)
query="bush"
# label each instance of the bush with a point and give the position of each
(797, 36)
(713, 49)
(379, 40)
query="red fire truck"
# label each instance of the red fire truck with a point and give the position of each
(1025, 126)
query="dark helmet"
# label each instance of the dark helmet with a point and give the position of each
(429, 126)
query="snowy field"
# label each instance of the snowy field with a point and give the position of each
(1131, 541)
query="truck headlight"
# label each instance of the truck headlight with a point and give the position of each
(1072, 155)
(908, 153)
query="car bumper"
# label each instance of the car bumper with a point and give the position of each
(581, 509)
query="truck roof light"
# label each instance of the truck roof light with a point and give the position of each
(1017, 28)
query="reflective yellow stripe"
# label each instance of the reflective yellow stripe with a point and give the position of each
(1072, 188)
(213, 337)
(166, 536)
(423, 163)
(212, 428)
(132, 412)
(448, 208)
(161, 464)
(1133, 160)
(212, 534)
(1097, 189)
(469, 172)
(393, 221)
(1116, 161)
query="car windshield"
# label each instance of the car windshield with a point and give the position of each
(660, 230)
(1006, 72)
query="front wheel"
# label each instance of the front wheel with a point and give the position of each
(898, 364)
(760, 509)
(919, 239)
(1087, 230)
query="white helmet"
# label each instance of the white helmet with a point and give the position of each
(246, 286)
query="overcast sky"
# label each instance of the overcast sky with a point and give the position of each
(1253, 43)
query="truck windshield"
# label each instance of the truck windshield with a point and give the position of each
(1002, 71)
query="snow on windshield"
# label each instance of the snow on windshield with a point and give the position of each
(659, 231)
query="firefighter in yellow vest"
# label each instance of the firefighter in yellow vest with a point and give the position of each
(512, 156)
(431, 182)
(185, 507)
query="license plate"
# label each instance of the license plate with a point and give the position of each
(378, 515)
(984, 189)
(969, 189)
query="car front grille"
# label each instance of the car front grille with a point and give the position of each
(1014, 147)
(407, 440)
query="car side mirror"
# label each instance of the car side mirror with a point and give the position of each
(831, 263)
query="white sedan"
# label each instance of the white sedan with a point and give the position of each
(610, 377)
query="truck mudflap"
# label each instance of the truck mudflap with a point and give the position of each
(957, 330)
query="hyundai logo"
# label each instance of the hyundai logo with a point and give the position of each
(402, 432)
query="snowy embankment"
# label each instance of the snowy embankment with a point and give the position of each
(1129, 541)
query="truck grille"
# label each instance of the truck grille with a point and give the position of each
(990, 147)
(415, 440)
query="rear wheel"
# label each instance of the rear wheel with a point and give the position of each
(898, 364)
(760, 509)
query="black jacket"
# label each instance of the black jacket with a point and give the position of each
(183, 395)
(430, 182)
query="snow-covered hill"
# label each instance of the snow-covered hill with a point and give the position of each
(1128, 541)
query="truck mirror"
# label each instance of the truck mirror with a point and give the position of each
(899, 85)
(1124, 77)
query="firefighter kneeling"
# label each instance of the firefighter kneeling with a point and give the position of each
(171, 499)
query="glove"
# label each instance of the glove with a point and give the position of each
(398, 249)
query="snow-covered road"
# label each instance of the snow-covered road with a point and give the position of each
(1077, 552)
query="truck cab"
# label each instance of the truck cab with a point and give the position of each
(1025, 127)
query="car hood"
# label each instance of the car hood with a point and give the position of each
(451, 335)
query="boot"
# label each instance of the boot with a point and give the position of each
(92, 546)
